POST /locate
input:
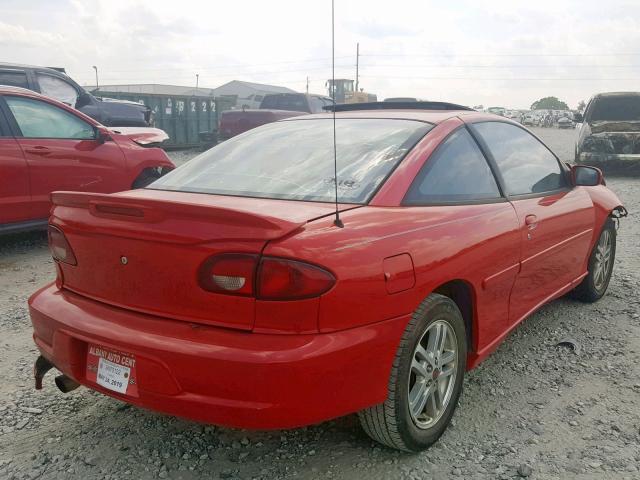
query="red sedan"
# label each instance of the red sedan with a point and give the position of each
(227, 293)
(46, 146)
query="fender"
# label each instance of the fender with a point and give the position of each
(606, 204)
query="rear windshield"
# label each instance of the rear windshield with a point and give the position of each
(293, 102)
(294, 160)
(618, 108)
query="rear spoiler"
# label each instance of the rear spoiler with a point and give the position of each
(201, 220)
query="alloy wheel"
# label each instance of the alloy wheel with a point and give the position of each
(433, 374)
(602, 262)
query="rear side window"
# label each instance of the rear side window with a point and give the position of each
(38, 119)
(456, 172)
(526, 165)
(13, 78)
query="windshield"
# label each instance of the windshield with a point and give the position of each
(621, 108)
(294, 160)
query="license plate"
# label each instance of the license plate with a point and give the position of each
(112, 369)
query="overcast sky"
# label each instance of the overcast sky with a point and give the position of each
(495, 53)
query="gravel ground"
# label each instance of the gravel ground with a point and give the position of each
(533, 409)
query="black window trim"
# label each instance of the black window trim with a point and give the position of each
(5, 130)
(17, 132)
(18, 70)
(484, 201)
(522, 196)
(9, 121)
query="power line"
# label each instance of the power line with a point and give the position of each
(501, 55)
(239, 65)
(581, 79)
(443, 65)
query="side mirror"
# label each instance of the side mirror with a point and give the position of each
(577, 117)
(83, 99)
(102, 135)
(581, 175)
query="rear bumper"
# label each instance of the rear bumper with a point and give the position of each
(217, 375)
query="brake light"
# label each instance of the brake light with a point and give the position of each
(230, 273)
(266, 278)
(282, 279)
(59, 246)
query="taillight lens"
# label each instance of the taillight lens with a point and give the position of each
(266, 278)
(230, 273)
(59, 246)
(282, 279)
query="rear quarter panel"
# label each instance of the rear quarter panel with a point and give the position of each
(479, 244)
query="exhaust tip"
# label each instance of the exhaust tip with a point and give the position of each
(66, 384)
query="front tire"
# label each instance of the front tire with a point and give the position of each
(595, 284)
(426, 379)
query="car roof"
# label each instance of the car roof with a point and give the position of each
(19, 66)
(616, 94)
(429, 116)
(22, 91)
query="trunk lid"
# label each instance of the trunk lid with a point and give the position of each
(142, 249)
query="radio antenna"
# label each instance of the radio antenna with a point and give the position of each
(337, 222)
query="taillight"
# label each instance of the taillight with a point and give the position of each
(231, 273)
(266, 278)
(282, 279)
(59, 246)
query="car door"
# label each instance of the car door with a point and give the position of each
(473, 223)
(15, 200)
(555, 220)
(62, 152)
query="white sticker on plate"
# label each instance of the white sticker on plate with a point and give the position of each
(113, 376)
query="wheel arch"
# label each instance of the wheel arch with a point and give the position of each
(463, 295)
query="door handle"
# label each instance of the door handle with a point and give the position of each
(531, 221)
(38, 150)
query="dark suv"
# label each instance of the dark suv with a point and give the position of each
(609, 136)
(56, 84)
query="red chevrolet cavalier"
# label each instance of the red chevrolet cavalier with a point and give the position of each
(226, 292)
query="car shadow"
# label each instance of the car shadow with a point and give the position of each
(17, 242)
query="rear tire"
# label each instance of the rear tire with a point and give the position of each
(595, 284)
(426, 379)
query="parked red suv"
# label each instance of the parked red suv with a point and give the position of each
(46, 145)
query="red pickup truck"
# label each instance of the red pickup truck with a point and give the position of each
(274, 107)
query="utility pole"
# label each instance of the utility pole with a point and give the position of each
(357, 64)
(96, 69)
(197, 80)
(307, 85)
